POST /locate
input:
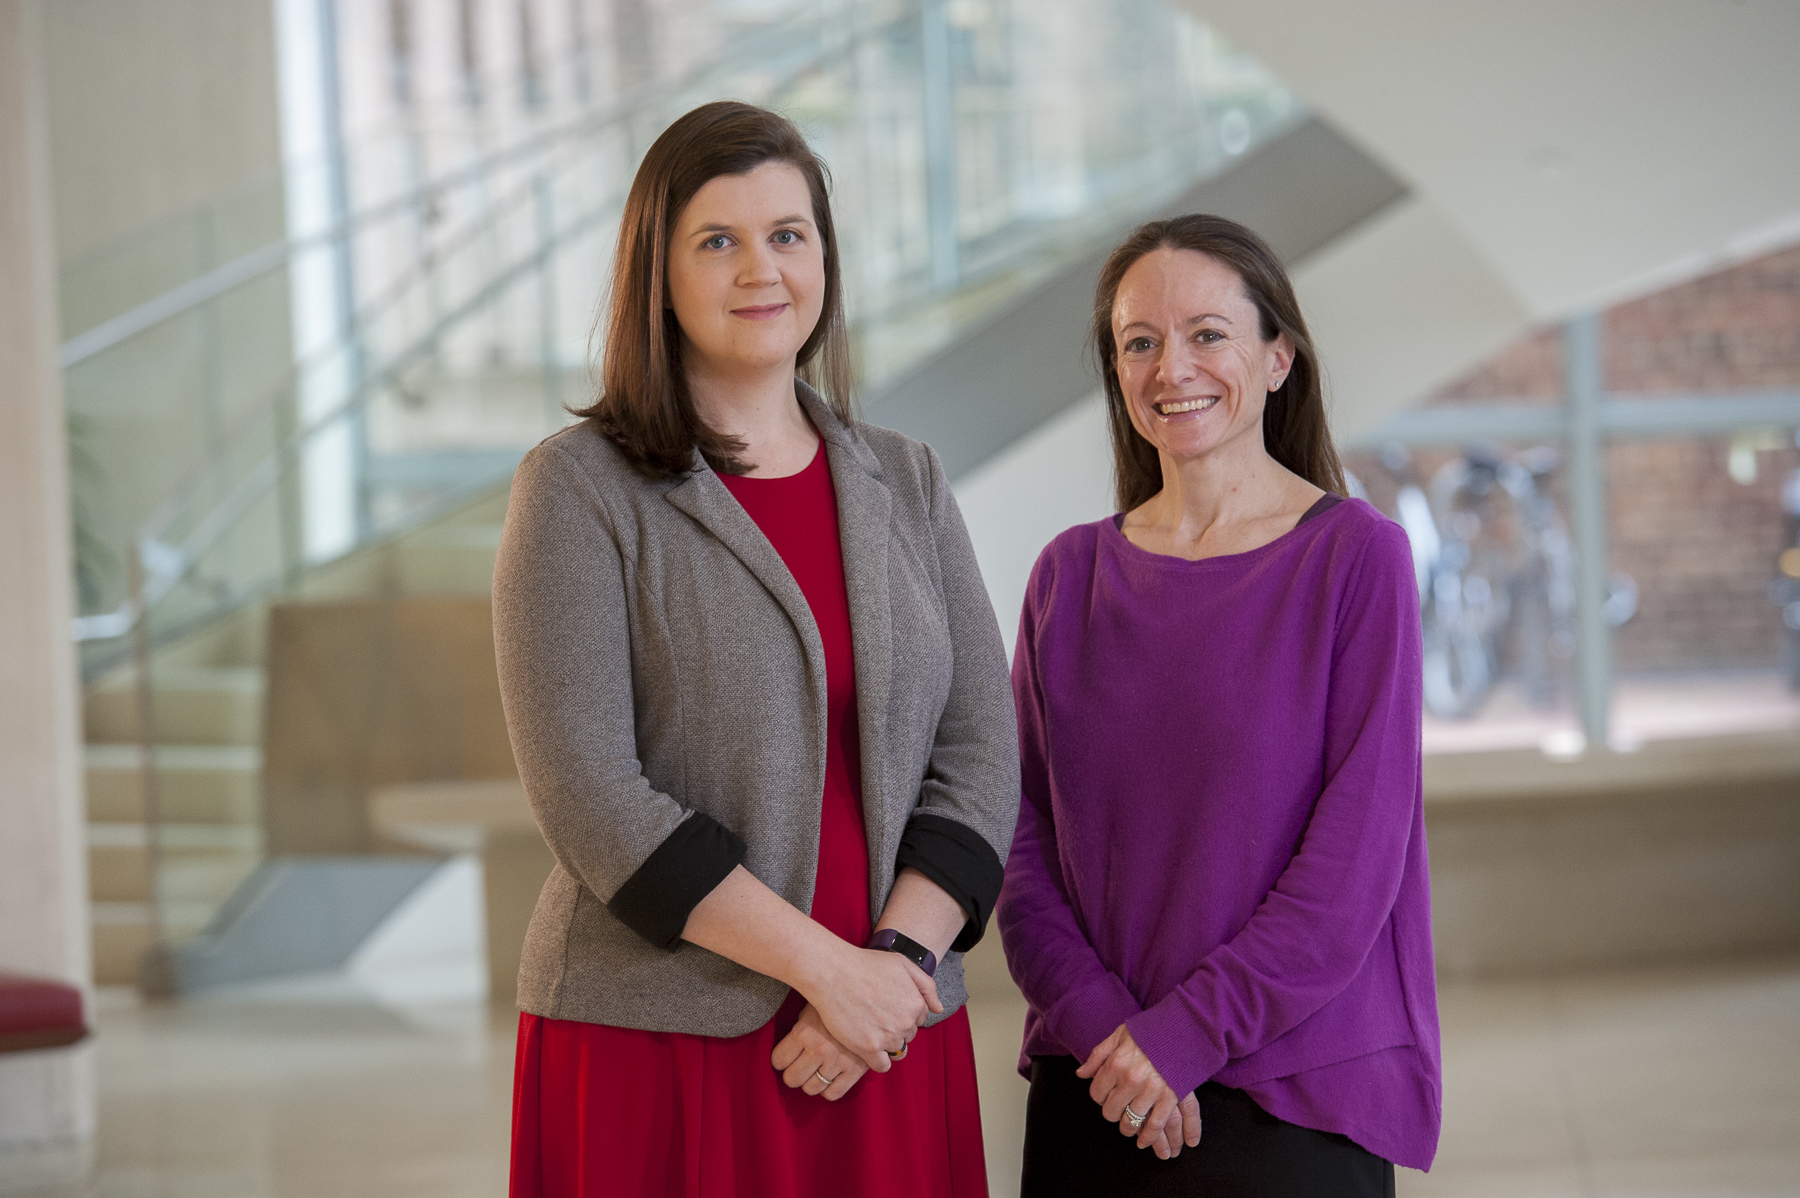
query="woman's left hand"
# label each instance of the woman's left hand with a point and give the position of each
(811, 1060)
(1124, 1077)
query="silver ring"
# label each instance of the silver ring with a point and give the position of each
(823, 1078)
(1135, 1119)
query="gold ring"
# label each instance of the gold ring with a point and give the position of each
(823, 1078)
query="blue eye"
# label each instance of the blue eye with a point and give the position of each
(715, 242)
(788, 237)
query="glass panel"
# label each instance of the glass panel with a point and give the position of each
(1495, 567)
(1699, 530)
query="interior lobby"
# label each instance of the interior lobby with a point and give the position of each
(288, 287)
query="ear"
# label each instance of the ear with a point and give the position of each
(1281, 360)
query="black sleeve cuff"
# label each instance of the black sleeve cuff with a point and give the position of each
(963, 865)
(656, 900)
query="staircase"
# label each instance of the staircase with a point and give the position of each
(208, 712)
(208, 708)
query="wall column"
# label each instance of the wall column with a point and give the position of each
(46, 1097)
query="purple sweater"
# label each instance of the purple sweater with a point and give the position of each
(1222, 839)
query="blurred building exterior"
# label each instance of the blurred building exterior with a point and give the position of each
(323, 270)
(1700, 537)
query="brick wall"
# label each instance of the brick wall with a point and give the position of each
(1702, 549)
(1700, 545)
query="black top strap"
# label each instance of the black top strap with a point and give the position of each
(1326, 502)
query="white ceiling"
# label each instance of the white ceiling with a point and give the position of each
(1563, 155)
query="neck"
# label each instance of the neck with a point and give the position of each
(1236, 483)
(760, 409)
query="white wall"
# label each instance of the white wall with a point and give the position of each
(1588, 152)
(1398, 307)
(1060, 475)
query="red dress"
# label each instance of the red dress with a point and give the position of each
(601, 1110)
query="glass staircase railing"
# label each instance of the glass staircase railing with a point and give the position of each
(976, 146)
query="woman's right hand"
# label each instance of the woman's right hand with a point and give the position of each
(873, 1002)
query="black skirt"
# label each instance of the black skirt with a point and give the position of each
(1244, 1151)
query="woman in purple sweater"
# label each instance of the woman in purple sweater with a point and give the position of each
(1216, 904)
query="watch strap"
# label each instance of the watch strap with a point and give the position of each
(899, 942)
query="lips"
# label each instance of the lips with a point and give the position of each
(764, 312)
(1186, 405)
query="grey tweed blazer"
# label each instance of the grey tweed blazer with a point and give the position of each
(657, 659)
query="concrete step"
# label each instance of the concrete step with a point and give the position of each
(122, 931)
(118, 865)
(193, 705)
(196, 784)
(200, 863)
(201, 866)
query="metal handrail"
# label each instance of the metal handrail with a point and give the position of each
(376, 307)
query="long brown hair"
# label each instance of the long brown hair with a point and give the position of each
(644, 405)
(1294, 427)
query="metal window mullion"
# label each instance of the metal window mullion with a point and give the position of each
(1587, 507)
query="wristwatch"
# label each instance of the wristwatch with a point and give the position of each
(906, 946)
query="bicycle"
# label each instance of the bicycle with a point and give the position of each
(1496, 574)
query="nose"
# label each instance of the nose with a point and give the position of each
(1177, 365)
(756, 267)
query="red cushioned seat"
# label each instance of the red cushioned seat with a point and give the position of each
(38, 1013)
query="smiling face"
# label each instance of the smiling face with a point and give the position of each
(1192, 363)
(747, 272)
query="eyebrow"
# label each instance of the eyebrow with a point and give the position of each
(1192, 320)
(777, 223)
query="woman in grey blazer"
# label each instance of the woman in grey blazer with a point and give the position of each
(761, 709)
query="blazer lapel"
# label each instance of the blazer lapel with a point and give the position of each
(702, 496)
(864, 528)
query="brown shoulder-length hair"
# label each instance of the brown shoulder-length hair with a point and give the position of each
(644, 405)
(1294, 427)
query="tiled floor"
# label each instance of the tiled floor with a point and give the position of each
(307, 1093)
(1669, 1083)
(1675, 1083)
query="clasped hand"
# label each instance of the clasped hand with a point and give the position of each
(1124, 1077)
(864, 1006)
